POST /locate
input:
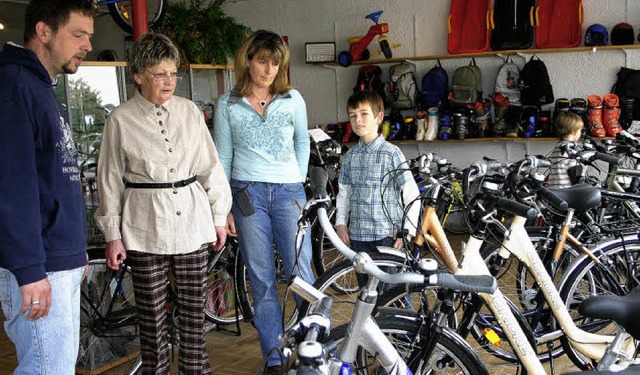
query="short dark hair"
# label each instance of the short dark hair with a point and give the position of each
(366, 97)
(55, 13)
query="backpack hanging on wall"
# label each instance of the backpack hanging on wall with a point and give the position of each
(435, 87)
(370, 78)
(535, 85)
(466, 85)
(507, 81)
(468, 26)
(403, 88)
(628, 86)
(512, 24)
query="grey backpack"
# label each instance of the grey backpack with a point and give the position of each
(466, 85)
(507, 81)
(403, 89)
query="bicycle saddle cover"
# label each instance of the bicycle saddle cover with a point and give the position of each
(580, 197)
(621, 309)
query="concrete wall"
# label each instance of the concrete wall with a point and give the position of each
(420, 27)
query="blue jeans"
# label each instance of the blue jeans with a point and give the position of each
(48, 345)
(273, 222)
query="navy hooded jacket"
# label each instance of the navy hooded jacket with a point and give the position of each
(42, 216)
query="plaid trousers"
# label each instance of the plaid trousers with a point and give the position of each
(150, 274)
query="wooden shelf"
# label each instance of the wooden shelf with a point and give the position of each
(486, 139)
(206, 66)
(487, 54)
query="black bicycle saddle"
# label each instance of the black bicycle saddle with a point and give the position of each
(621, 309)
(580, 197)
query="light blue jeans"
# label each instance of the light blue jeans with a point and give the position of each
(274, 222)
(48, 345)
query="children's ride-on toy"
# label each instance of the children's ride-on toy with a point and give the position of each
(358, 48)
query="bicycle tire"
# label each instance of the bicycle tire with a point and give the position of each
(449, 350)
(344, 273)
(108, 320)
(121, 14)
(325, 255)
(221, 292)
(588, 279)
(290, 307)
(517, 284)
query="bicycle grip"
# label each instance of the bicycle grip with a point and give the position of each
(323, 307)
(551, 198)
(516, 208)
(318, 178)
(606, 158)
(465, 283)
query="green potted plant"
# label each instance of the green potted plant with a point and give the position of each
(202, 30)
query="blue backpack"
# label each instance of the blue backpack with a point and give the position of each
(435, 87)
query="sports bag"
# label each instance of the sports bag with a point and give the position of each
(403, 88)
(466, 85)
(468, 26)
(435, 87)
(370, 78)
(628, 86)
(507, 81)
(535, 85)
(512, 24)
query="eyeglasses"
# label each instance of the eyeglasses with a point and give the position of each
(164, 78)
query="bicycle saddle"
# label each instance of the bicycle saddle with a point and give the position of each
(580, 197)
(621, 309)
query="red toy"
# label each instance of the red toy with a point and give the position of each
(358, 49)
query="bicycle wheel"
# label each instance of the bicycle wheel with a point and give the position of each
(450, 354)
(220, 287)
(121, 14)
(289, 308)
(617, 275)
(108, 323)
(344, 274)
(325, 255)
(518, 285)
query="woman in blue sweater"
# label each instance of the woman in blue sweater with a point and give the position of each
(263, 143)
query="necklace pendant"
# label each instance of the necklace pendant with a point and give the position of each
(262, 103)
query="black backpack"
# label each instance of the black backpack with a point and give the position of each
(628, 86)
(535, 85)
(435, 87)
(370, 78)
(512, 24)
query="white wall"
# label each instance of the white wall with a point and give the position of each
(420, 26)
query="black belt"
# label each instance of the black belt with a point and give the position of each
(159, 185)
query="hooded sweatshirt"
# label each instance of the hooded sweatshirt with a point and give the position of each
(42, 217)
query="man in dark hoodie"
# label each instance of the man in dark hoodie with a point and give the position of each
(42, 218)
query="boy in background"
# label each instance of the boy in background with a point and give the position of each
(565, 172)
(374, 208)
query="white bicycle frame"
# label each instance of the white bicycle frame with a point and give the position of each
(519, 244)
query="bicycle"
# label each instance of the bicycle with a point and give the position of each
(120, 11)
(364, 339)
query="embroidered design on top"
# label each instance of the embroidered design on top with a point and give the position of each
(67, 150)
(270, 136)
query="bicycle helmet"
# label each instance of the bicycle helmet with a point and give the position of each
(621, 34)
(596, 35)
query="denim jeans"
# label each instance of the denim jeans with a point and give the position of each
(48, 345)
(273, 222)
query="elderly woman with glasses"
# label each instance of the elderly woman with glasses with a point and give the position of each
(164, 198)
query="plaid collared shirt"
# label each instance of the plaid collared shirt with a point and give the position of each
(375, 201)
